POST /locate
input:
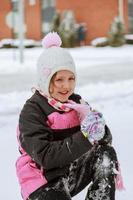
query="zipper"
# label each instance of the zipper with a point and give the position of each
(68, 147)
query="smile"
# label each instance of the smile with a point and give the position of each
(64, 93)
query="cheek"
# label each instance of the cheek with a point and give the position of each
(73, 85)
(53, 89)
(57, 85)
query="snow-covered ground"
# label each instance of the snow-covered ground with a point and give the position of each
(105, 80)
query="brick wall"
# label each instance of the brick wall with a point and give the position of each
(33, 20)
(5, 8)
(97, 14)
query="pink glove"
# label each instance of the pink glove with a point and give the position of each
(82, 109)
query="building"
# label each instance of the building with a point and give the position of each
(38, 14)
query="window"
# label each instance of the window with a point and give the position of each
(48, 11)
(130, 15)
(15, 6)
(48, 3)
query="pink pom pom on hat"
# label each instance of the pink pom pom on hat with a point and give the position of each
(53, 59)
(51, 39)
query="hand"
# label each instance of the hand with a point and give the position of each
(82, 109)
(93, 127)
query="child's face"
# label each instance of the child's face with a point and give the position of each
(62, 85)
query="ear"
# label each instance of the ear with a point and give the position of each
(51, 88)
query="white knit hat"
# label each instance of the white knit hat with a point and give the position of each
(53, 59)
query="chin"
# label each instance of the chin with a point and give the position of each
(63, 100)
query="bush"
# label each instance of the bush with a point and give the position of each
(116, 35)
(67, 29)
(129, 38)
(14, 43)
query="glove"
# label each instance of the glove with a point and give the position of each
(93, 127)
(92, 122)
(81, 109)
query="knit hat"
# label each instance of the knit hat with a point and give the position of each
(53, 59)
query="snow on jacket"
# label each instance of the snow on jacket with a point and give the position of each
(49, 140)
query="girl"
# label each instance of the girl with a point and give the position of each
(64, 144)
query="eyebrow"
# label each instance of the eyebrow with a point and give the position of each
(64, 76)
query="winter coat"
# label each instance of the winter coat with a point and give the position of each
(49, 140)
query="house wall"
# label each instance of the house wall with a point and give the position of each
(33, 20)
(5, 31)
(97, 15)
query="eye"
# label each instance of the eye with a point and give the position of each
(72, 78)
(59, 79)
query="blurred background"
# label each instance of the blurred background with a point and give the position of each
(99, 36)
(79, 23)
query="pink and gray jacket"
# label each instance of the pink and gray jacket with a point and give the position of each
(49, 140)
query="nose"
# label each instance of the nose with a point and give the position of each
(66, 85)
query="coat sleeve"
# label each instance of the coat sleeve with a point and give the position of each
(107, 139)
(36, 138)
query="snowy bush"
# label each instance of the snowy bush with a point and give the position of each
(56, 22)
(14, 43)
(116, 34)
(100, 42)
(129, 38)
(67, 29)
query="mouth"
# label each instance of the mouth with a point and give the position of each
(64, 93)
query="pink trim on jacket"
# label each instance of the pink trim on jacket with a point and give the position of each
(63, 121)
(29, 176)
(119, 184)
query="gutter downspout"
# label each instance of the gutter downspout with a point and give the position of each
(121, 9)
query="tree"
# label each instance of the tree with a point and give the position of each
(56, 22)
(67, 29)
(116, 35)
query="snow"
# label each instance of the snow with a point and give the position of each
(106, 83)
(129, 36)
(16, 42)
(97, 41)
